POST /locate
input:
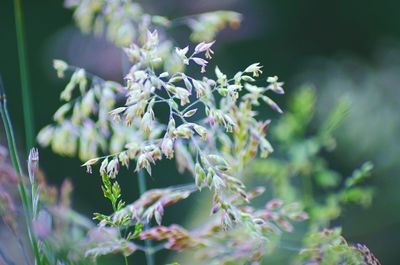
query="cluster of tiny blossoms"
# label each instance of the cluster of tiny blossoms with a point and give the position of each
(212, 130)
(195, 140)
(123, 22)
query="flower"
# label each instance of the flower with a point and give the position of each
(255, 69)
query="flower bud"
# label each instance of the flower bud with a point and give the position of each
(167, 147)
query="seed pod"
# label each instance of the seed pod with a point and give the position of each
(215, 208)
(103, 167)
(167, 147)
(200, 175)
(272, 104)
(60, 67)
(201, 131)
(190, 113)
(210, 176)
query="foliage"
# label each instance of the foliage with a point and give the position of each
(214, 132)
(299, 162)
(329, 247)
(300, 172)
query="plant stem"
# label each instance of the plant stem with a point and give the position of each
(17, 166)
(142, 189)
(24, 75)
(141, 180)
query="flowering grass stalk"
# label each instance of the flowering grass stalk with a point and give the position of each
(25, 198)
(214, 130)
(141, 181)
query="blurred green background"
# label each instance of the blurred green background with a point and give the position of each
(349, 48)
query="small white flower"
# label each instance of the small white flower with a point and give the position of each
(182, 52)
(255, 69)
(60, 67)
(167, 147)
(274, 85)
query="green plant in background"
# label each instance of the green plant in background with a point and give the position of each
(299, 172)
(369, 131)
(329, 247)
(211, 126)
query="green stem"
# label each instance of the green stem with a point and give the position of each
(17, 166)
(142, 189)
(24, 75)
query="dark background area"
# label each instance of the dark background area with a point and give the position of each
(300, 41)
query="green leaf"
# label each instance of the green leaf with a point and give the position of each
(359, 175)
